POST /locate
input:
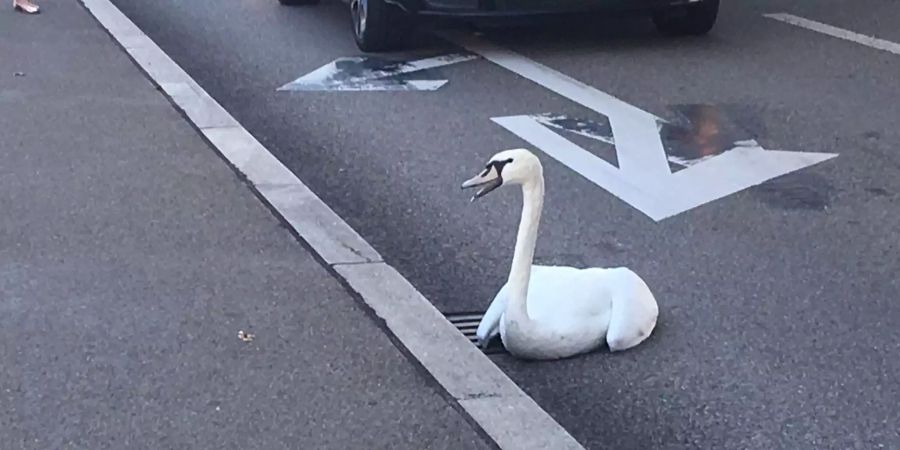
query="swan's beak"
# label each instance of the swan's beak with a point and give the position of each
(487, 181)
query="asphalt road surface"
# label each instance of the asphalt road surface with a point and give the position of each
(779, 322)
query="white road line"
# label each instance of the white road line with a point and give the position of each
(549, 78)
(839, 33)
(505, 412)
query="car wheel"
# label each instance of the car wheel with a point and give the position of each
(298, 2)
(684, 20)
(378, 26)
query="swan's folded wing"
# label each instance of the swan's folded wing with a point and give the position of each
(490, 323)
(559, 294)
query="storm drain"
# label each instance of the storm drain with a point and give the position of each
(467, 324)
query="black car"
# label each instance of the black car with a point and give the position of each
(381, 25)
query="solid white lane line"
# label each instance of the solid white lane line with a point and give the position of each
(840, 33)
(505, 412)
(552, 79)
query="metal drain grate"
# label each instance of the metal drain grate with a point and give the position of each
(467, 324)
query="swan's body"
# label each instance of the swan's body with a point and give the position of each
(574, 309)
(550, 312)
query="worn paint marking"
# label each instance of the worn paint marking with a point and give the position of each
(374, 74)
(657, 195)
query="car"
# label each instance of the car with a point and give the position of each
(382, 25)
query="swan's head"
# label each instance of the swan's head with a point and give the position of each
(517, 166)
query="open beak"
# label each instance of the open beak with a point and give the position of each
(487, 181)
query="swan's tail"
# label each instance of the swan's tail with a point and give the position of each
(634, 312)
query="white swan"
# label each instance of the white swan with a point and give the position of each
(569, 311)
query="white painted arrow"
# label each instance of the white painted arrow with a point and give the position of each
(370, 74)
(643, 178)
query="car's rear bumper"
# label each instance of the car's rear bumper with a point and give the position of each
(520, 8)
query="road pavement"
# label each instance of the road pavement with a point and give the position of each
(778, 324)
(131, 256)
(778, 321)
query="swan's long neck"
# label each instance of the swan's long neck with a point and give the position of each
(520, 272)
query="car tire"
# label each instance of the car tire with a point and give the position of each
(379, 26)
(298, 2)
(688, 20)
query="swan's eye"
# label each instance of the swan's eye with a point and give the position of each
(496, 165)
